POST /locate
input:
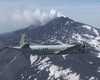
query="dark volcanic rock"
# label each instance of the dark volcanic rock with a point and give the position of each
(17, 65)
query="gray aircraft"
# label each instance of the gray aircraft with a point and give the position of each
(28, 46)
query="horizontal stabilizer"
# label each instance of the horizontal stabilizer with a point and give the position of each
(10, 47)
(6, 47)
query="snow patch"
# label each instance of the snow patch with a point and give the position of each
(66, 23)
(92, 78)
(33, 58)
(64, 56)
(52, 40)
(57, 72)
(89, 36)
(29, 77)
(44, 60)
(43, 64)
(22, 76)
(86, 26)
(90, 62)
(98, 70)
(97, 38)
(35, 79)
(78, 37)
(95, 44)
(98, 55)
(96, 32)
(60, 42)
(63, 37)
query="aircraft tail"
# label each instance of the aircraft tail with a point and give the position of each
(24, 42)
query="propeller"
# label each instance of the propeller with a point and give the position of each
(82, 47)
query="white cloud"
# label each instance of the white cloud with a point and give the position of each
(17, 17)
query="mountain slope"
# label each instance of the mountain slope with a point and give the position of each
(73, 67)
(52, 67)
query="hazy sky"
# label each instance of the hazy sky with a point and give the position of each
(16, 14)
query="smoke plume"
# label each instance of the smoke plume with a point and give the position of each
(16, 18)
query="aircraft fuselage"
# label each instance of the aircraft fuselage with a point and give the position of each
(51, 49)
(28, 46)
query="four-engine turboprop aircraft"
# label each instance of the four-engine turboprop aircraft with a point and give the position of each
(27, 46)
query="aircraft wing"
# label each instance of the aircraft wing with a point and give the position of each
(71, 50)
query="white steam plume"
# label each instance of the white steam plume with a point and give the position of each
(13, 19)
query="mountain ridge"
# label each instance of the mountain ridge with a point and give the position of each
(47, 67)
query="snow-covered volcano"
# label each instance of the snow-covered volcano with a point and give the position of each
(62, 31)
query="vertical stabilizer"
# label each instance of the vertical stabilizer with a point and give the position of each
(24, 40)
